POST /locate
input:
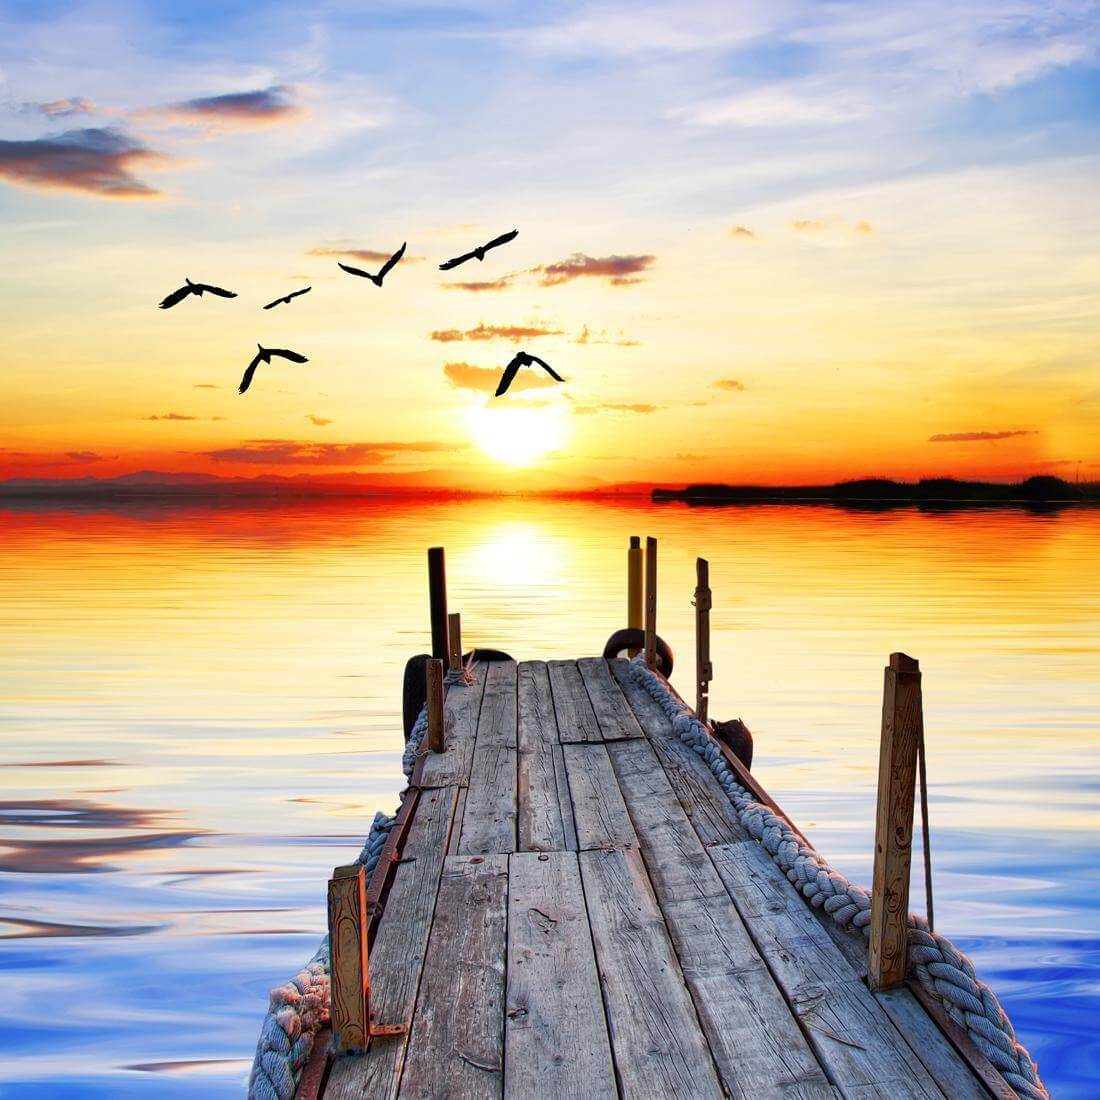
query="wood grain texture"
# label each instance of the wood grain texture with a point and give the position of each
(658, 1045)
(397, 954)
(599, 811)
(852, 1035)
(897, 776)
(572, 707)
(461, 707)
(545, 810)
(457, 1042)
(489, 818)
(347, 927)
(652, 720)
(613, 714)
(556, 1042)
(758, 1047)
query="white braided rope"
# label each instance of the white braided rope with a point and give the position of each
(300, 1008)
(939, 966)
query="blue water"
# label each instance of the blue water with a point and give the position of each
(200, 713)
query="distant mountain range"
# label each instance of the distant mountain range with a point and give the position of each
(882, 492)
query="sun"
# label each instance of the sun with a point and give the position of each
(516, 435)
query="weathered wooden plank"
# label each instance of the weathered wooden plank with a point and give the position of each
(613, 714)
(397, 954)
(758, 1047)
(556, 1042)
(347, 931)
(598, 807)
(652, 720)
(489, 819)
(658, 1046)
(455, 838)
(545, 812)
(572, 707)
(457, 1042)
(854, 1038)
(461, 707)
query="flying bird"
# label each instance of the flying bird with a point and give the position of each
(264, 356)
(480, 251)
(198, 289)
(524, 359)
(377, 279)
(286, 297)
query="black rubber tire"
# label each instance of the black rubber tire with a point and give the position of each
(414, 690)
(490, 656)
(632, 638)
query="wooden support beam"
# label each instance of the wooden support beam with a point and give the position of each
(347, 926)
(437, 596)
(454, 641)
(635, 616)
(704, 673)
(651, 602)
(436, 742)
(897, 770)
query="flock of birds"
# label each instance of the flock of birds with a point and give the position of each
(265, 355)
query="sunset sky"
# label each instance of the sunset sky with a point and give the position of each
(787, 242)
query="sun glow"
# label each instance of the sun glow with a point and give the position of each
(516, 435)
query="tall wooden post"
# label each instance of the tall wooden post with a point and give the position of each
(437, 596)
(454, 641)
(635, 582)
(347, 926)
(703, 670)
(435, 706)
(651, 602)
(897, 768)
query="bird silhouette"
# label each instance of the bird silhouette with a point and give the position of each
(264, 356)
(286, 297)
(376, 279)
(480, 251)
(198, 289)
(524, 359)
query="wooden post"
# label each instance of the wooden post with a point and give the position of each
(347, 926)
(454, 641)
(437, 595)
(635, 600)
(651, 602)
(703, 670)
(435, 706)
(897, 769)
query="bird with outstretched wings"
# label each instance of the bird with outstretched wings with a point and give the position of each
(285, 299)
(523, 359)
(385, 270)
(198, 289)
(479, 252)
(264, 355)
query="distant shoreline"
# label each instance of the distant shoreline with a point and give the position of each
(1042, 491)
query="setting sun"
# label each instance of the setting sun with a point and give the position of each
(517, 436)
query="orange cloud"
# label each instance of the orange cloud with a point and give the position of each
(502, 283)
(300, 452)
(731, 384)
(370, 255)
(92, 161)
(465, 376)
(618, 270)
(319, 421)
(61, 108)
(515, 333)
(741, 231)
(238, 110)
(593, 410)
(980, 437)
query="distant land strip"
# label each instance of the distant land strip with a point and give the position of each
(885, 493)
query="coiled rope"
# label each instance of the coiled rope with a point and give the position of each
(298, 1009)
(939, 966)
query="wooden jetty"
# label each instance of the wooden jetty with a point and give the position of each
(568, 906)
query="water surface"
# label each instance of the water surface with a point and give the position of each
(200, 714)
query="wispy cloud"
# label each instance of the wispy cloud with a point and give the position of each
(515, 333)
(302, 452)
(318, 421)
(601, 336)
(980, 437)
(181, 416)
(250, 110)
(837, 226)
(93, 161)
(617, 270)
(734, 385)
(368, 255)
(614, 407)
(62, 108)
(742, 232)
(502, 283)
(466, 376)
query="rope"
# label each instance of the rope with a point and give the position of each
(939, 966)
(300, 1008)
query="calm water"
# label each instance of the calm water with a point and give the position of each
(200, 713)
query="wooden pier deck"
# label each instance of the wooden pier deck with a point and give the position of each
(577, 913)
